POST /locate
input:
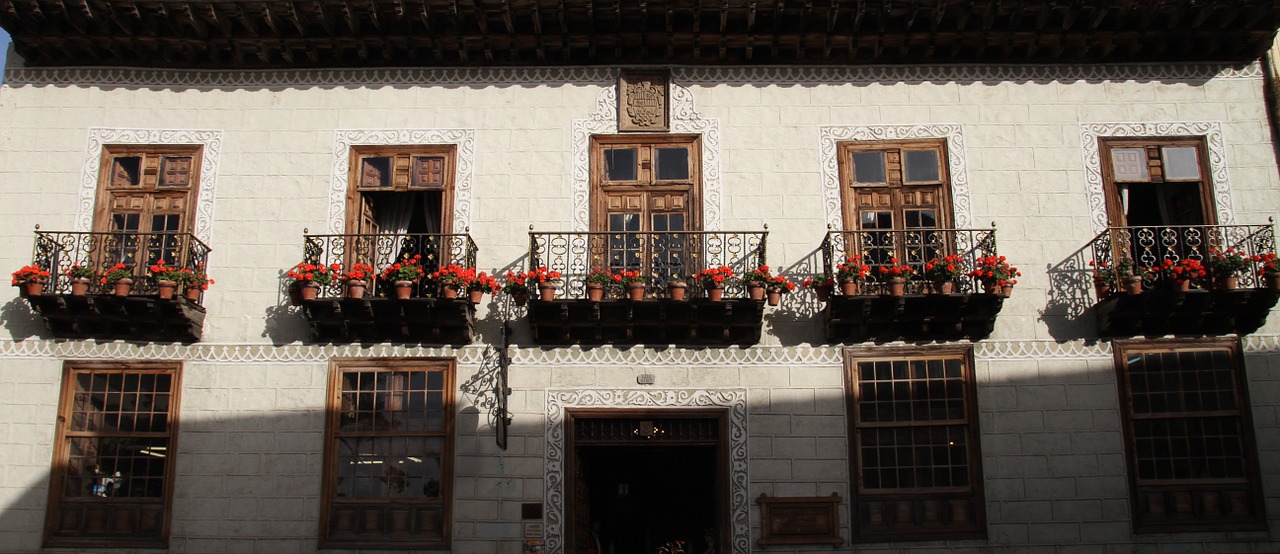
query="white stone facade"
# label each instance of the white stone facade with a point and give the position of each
(252, 415)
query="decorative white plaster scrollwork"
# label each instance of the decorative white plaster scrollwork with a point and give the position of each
(99, 138)
(830, 137)
(343, 140)
(1211, 130)
(409, 76)
(734, 400)
(684, 119)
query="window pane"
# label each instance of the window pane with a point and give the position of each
(124, 222)
(620, 164)
(921, 166)
(1129, 164)
(175, 171)
(876, 220)
(673, 164)
(868, 167)
(1181, 163)
(125, 171)
(375, 171)
(917, 219)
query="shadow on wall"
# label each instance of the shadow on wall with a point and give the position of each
(1070, 312)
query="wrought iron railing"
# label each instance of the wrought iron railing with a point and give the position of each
(1148, 247)
(913, 247)
(382, 250)
(660, 257)
(57, 252)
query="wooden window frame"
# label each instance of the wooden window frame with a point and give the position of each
(600, 186)
(61, 454)
(1138, 490)
(448, 368)
(401, 178)
(847, 186)
(916, 498)
(1116, 215)
(102, 202)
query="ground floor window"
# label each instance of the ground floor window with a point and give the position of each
(113, 465)
(389, 454)
(914, 454)
(1188, 437)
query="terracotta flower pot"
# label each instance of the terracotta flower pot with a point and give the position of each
(404, 289)
(122, 287)
(849, 287)
(715, 294)
(519, 298)
(676, 291)
(635, 292)
(192, 293)
(31, 288)
(546, 293)
(1006, 291)
(1101, 289)
(166, 289)
(356, 288)
(823, 292)
(755, 290)
(1132, 285)
(1272, 280)
(308, 291)
(475, 296)
(774, 297)
(943, 286)
(897, 287)
(1182, 285)
(449, 291)
(1227, 282)
(595, 292)
(79, 286)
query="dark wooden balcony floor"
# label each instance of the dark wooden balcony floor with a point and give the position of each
(413, 320)
(883, 318)
(1162, 312)
(140, 318)
(654, 321)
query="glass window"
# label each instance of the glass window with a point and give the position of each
(1181, 163)
(868, 168)
(620, 164)
(921, 166)
(673, 164)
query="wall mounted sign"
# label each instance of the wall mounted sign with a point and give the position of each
(787, 520)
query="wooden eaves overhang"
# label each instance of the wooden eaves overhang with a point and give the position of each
(359, 33)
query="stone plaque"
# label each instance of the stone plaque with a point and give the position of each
(644, 101)
(799, 520)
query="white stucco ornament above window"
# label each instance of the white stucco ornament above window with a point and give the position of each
(99, 138)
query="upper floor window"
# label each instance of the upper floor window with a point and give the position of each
(1152, 182)
(389, 455)
(113, 461)
(914, 455)
(1189, 441)
(401, 190)
(150, 191)
(897, 193)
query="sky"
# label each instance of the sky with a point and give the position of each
(4, 48)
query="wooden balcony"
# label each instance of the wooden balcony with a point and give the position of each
(918, 315)
(378, 316)
(99, 314)
(570, 318)
(1204, 310)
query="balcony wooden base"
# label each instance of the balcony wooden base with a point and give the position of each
(657, 321)
(912, 317)
(413, 320)
(1162, 312)
(139, 318)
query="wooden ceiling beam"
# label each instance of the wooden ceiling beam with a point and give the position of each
(270, 19)
(75, 19)
(247, 20)
(196, 23)
(374, 17)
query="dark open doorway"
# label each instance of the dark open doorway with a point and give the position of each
(645, 480)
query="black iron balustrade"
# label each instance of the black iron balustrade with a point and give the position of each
(382, 250)
(660, 257)
(1148, 247)
(58, 251)
(912, 247)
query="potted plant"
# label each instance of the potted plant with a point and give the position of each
(821, 284)
(895, 275)
(452, 279)
(753, 281)
(632, 282)
(517, 286)
(403, 275)
(996, 275)
(309, 277)
(943, 272)
(777, 286)
(30, 280)
(167, 278)
(198, 283)
(547, 280)
(849, 273)
(81, 277)
(1269, 269)
(120, 278)
(677, 288)
(357, 279)
(483, 283)
(1182, 274)
(597, 281)
(1225, 267)
(712, 280)
(1104, 279)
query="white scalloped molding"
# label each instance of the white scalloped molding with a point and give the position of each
(404, 76)
(735, 400)
(101, 137)
(1211, 130)
(830, 137)
(343, 140)
(684, 119)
